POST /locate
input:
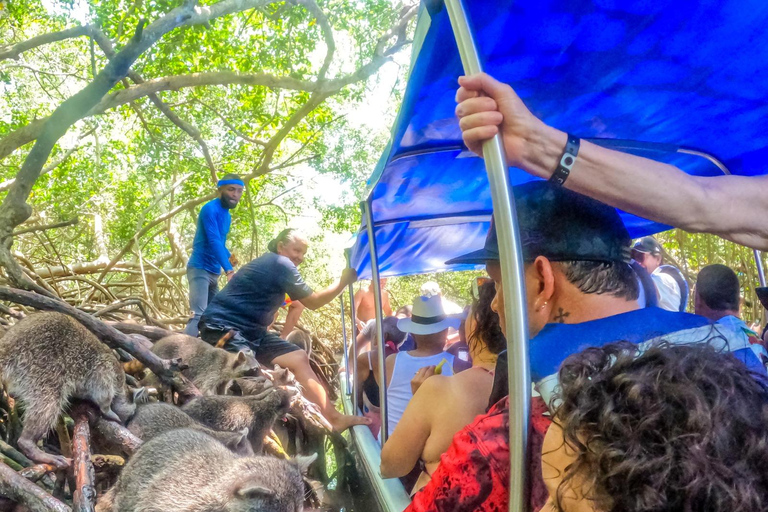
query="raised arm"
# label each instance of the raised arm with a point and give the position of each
(319, 299)
(733, 207)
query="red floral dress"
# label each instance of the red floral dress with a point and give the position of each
(473, 474)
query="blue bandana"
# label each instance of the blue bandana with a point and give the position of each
(221, 183)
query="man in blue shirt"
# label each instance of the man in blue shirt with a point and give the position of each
(209, 252)
(718, 297)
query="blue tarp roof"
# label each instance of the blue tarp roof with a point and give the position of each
(649, 76)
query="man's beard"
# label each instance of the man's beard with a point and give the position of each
(229, 204)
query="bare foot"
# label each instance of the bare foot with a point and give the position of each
(342, 422)
(31, 450)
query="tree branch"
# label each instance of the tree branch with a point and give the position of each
(19, 48)
(325, 26)
(33, 130)
(14, 209)
(229, 125)
(5, 185)
(24, 492)
(70, 222)
(189, 129)
(106, 46)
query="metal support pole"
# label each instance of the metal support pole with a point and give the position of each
(760, 271)
(344, 336)
(512, 280)
(353, 314)
(379, 322)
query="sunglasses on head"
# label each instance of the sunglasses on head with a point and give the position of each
(478, 283)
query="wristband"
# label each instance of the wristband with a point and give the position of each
(566, 161)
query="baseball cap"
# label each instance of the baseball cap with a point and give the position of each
(647, 245)
(561, 225)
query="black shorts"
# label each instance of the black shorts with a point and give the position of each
(264, 348)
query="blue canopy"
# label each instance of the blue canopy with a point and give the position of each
(650, 77)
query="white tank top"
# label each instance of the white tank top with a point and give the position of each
(399, 390)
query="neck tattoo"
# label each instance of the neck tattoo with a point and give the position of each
(561, 316)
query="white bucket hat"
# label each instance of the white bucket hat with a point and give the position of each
(428, 317)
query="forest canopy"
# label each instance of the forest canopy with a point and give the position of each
(142, 105)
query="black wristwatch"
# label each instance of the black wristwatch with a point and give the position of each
(566, 161)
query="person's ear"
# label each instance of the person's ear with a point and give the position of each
(544, 279)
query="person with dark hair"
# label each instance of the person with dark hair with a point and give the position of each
(247, 305)
(209, 251)
(443, 405)
(717, 292)
(581, 292)
(718, 298)
(667, 429)
(367, 371)
(671, 287)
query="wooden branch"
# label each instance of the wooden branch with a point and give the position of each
(11, 463)
(43, 227)
(14, 51)
(38, 471)
(84, 498)
(65, 441)
(113, 433)
(97, 266)
(33, 130)
(325, 26)
(229, 125)
(189, 130)
(47, 73)
(153, 333)
(15, 455)
(20, 490)
(18, 315)
(116, 306)
(185, 206)
(167, 371)
(5, 185)
(106, 46)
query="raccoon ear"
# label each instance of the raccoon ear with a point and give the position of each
(241, 359)
(252, 490)
(304, 461)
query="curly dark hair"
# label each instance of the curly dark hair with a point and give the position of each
(487, 328)
(677, 428)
